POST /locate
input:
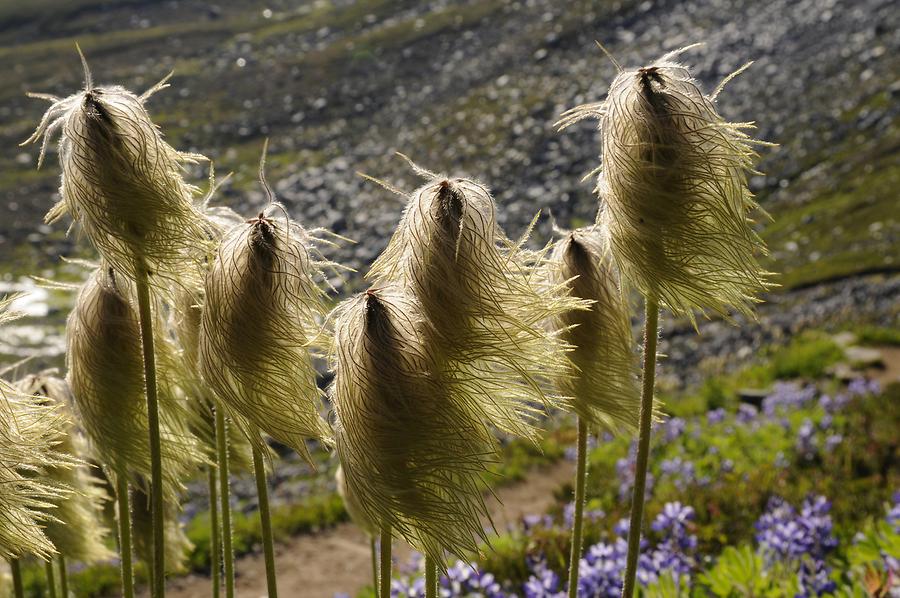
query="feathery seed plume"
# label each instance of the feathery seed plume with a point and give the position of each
(123, 183)
(107, 381)
(602, 383)
(412, 452)
(487, 299)
(263, 312)
(185, 324)
(674, 190)
(29, 432)
(77, 529)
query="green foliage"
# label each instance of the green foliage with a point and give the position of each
(807, 356)
(520, 456)
(738, 468)
(738, 572)
(91, 582)
(667, 587)
(878, 335)
(314, 513)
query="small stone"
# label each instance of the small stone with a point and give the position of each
(844, 339)
(864, 357)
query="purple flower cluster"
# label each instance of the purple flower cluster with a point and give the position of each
(673, 428)
(788, 396)
(543, 583)
(625, 469)
(681, 471)
(600, 569)
(804, 538)
(462, 579)
(603, 564)
(746, 413)
(590, 515)
(716, 416)
(893, 516)
(860, 387)
(784, 533)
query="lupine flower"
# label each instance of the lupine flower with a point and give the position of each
(602, 381)
(674, 190)
(861, 387)
(123, 183)
(76, 526)
(673, 428)
(716, 416)
(590, 515)
(263, 311)
(465, 579)
(486, 297)
(788, 396)
(543, 583)
(412, 448)
(893, 516)
(814, 578)
(784, 533)
(105, 373)
(681, 471)
(746, 413)
(625, 469)
(185, 326)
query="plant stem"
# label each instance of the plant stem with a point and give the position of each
(224, 500)
(125, 550)
(18, 588)
(430, 578)
(651, 334)
(156, 496)
(262, 491)
(215, 548)
(374, 554)
(385, 562)
(63, 577)
(578, 528)
(51, 579)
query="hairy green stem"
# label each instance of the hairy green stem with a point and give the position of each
(215, 548)
(18, 588)
(63, 577)
(578, 528)
(51, 579)
(430, 578)
(651, 334)
(125, 549)
(224, 500)
(156, 488)
(262, 491)
(385, 562)
(373, 550)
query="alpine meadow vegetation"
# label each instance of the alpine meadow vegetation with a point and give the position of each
(204, 345)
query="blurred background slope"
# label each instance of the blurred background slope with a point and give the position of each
(473, 88)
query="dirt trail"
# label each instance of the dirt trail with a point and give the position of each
(890, 357)
(337, 560)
